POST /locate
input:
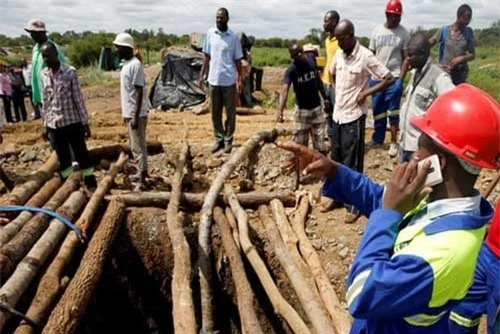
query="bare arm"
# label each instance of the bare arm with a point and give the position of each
(204, 67)
(386, 82)
(139, 90)
(238, 69)
(462, 59)
(283, 98)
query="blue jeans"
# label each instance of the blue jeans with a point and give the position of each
(385, 104)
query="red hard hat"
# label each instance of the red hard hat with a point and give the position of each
(394, 7)
(466, 122)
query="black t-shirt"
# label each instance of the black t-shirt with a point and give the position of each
(302, 75)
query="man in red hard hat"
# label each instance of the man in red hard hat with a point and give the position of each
(388, 42)
(417, 257)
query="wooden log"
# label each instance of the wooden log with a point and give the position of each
(244, 111)
(26, 271)
(244, 294)
(13, 251)
(38, 200)
(112, 152)
(341, 319)
(319, 320)
(204, 263)
(194, 201)
(9, 184)
(231, 219)
(52, 283)
(21, 193)
(73, 304)
(291, 241)
(182, 298)
(280, 305)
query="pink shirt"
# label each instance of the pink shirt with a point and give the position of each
(351, 77)
(5, 87)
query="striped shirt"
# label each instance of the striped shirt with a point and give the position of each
(62, 98)
(352, 74)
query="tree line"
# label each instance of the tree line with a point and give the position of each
(83, 48)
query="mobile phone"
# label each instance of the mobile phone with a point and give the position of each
(434, 175)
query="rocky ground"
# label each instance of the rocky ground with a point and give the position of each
(24, 150)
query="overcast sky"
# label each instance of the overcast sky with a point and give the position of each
(261, 18)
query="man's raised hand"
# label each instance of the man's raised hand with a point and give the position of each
(309, 161)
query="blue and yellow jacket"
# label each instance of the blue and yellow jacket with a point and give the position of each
(409, 271)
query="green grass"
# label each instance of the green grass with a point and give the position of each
(93, 76)
(277, 57)
(485, 70)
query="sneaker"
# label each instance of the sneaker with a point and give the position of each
(393, 150)
(217, 146)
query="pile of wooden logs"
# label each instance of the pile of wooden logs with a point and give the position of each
(34, 247)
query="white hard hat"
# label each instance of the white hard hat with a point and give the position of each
(124, 39)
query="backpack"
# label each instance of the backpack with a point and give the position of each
(444, 34)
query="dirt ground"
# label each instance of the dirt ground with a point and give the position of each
(24, 150)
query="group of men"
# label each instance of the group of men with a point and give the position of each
(58, 100)
(417, 258)
(353, 72)
(421, 266)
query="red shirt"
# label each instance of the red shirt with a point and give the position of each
(493, 238)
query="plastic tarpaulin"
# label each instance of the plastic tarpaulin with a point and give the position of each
(177, 83)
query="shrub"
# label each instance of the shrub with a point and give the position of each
(85, 51)
(93, 76)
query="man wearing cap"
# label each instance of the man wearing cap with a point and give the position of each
(308, 117)
(418, 253)
(222, 49)
(134, 104)
(38, 32)
(387, 43)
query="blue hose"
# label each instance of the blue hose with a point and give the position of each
(15, 208)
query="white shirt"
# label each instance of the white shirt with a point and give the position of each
(27, 75)
(132, 74)
(351, 77)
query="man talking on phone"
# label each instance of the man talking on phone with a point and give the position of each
(417, 256)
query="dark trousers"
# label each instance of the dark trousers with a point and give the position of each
(66, 139)
(330, 95)
(223, 96)
(349, 145)
(6, 107)
(19, 106)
